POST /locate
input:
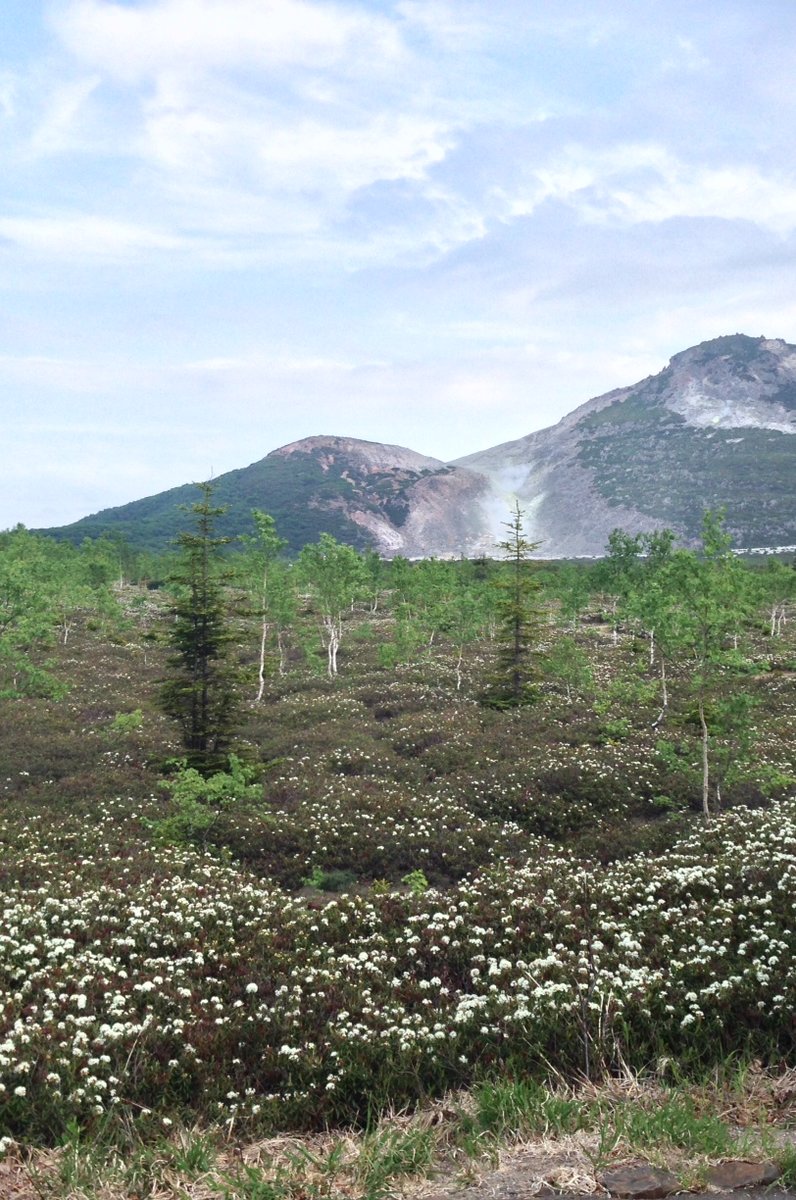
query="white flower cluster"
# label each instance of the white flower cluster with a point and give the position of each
(195, 988)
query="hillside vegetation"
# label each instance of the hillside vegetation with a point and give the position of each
(396, 885)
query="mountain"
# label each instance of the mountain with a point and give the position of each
(363, 493)
(715, 428)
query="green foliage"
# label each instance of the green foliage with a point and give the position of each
(269, 583)
(219, 790)
(199, 693)
(566, 662)
(572, 585)
(785, 1157)
(416, 882)
(617, 729)
(389, 1154)
(693, 604)
(665, 803)
(628, 691)
(407, 640)
(335, 574)
(127, 722)
(771, 779)
(44, 588)
(198, 799)
(333, 571)
(511, 1108)
(336, 879)
(518, 620)
(210, 994)
(675, 1123)
(436, 602)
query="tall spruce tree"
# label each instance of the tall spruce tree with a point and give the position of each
(199, 693)
(518, 620)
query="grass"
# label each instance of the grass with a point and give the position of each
(786, 1161)
(524, 1108)
(560, 1136)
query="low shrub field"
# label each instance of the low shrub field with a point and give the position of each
(182, 989)
(396, 892)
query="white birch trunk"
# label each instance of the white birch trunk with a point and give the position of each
(261, 663)
(705, 763)
(332, 626)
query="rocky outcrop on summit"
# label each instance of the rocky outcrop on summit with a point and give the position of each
(734, 383)
(363, 457)
(400, 501)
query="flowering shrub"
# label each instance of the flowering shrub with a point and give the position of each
(183, 988)
(148, 983)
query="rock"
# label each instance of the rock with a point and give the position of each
(738, 1174)
(641, 1181)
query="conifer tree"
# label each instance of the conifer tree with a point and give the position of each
(518, 619)
(199, 693)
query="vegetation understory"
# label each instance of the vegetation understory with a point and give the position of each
(498, 1139)
(494, 924)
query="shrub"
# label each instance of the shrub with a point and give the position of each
(198, 799)
(127, 722)
(336, 880)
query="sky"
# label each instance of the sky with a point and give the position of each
(226, 225)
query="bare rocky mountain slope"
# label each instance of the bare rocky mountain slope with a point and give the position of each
(363, 493)
(714, 429)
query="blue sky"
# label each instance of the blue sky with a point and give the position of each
(229, 224)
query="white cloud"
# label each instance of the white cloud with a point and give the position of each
(258, 122)
(290, 152)
(454, 26)
(63, 104)
(440, 223)
(388, 146)
(84, 236)
(732, 193)
(463, 24)
(8, 95)
(642, 182)
(263, 118)
(140, 43)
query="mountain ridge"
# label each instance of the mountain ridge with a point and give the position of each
(714, 428)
